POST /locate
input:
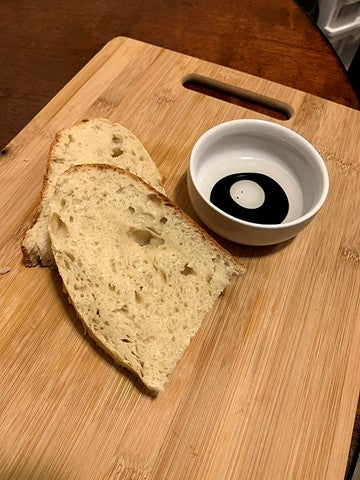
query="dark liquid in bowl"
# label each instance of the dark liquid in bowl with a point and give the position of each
(273, 210)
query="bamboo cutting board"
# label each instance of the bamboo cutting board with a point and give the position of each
(268, 387)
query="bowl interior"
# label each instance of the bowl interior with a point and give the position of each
(263, 148)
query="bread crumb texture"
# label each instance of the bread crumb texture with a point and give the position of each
(94, 141)
(140, 274)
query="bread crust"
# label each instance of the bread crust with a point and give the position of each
(27, 258)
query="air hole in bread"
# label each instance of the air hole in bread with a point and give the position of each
(63, 202)
(163, 220)
(57, 159)
(58, 226)
(111, 286)
(216, 259)
(71, 218)
(162, 274)
(157, 241)
(70, 256)
(154, 198)
(125, 340)
(123, 309)
(98, 312)
(116, 152)
(141, 158)
(117, 138)
(153, 230)
(139, 298)
(143, 237)
(131, 209)
(187, 270)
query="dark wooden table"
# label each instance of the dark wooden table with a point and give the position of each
(44, 43)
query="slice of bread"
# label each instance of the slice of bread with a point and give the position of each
(139, 272)
(92, 141)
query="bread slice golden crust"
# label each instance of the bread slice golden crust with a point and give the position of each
(140, 273)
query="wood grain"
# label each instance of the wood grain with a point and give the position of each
(269, 386)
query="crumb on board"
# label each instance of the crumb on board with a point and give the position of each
(4, 270)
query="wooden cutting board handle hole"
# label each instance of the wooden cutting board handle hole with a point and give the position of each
(238, 96)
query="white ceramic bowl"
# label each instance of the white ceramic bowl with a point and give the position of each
(293, 178)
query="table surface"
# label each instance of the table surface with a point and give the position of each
(43, 47)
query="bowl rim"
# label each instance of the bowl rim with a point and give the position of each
(276, 127)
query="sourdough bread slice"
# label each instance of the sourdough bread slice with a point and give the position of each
(92, 141)
(139, 272)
